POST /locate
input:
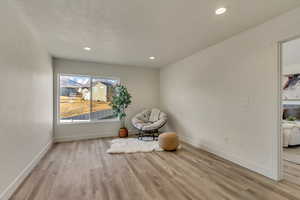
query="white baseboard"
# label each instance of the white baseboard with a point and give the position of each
(88, 136)
(235, 159)
(8, 192)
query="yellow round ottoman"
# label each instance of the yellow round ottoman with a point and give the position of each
(168, 141)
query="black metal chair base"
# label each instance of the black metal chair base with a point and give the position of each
(150, 134)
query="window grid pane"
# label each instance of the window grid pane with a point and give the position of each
(102, 92)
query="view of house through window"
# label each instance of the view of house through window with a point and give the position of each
(85, 98)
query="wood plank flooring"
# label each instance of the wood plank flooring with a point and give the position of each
(84, 171)
(291, 154)
(291, 172)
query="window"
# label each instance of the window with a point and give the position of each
(291, 96)
(291, 87)
(85, 98)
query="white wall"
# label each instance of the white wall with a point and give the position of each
(291, 69)
(290, 57)
(225, 98)
(26, 98)
(142, 83)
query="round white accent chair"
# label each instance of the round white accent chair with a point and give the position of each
(148, 122)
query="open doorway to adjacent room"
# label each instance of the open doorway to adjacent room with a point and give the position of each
(290, 78)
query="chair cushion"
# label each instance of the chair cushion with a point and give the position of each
(168, 141)
(153, 126)
(154, 116)
(141, 121)
(145, 126)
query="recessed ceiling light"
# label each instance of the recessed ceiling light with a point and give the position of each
(151, 57)
(87, 48)
(220, 11)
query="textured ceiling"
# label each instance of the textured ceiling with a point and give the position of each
(129, 31)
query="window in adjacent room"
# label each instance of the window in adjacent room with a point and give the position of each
(85, 98)
(291, 96)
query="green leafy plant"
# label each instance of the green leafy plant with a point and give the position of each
(290, 118)
(120, 101)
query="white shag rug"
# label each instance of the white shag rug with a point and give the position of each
(132, 145)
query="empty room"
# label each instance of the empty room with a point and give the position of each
(143, 100)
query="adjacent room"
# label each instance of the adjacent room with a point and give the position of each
(291, 109)
(165, 100)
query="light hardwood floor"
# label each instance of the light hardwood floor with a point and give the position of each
(83, 171)
(292, 154)
(292, 172)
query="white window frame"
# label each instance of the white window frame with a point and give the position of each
(80, 121)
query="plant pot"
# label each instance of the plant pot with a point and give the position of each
(123, 132)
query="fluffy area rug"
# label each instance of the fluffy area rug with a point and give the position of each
(132, 145)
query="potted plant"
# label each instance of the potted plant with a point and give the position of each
(120, 101)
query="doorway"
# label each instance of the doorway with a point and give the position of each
(290, 110)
